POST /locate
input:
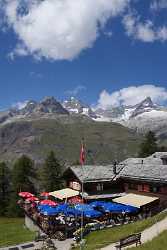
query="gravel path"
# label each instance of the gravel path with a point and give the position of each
(61, 245)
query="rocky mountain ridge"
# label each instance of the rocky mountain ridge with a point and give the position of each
(141, 117)
(47, 125)
(127, 112)
(45, 108)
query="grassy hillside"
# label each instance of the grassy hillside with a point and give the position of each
(104, 141)
(101, 238)
(12, 232)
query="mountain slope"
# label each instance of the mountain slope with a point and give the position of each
(104, 141)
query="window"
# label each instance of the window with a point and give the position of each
(75, 185)
(164, 161)
(132, 186)
(154, 189)
(143, 188)
(99, 187)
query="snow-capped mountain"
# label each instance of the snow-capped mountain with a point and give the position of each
(76, 106)
(126, 112)
(48, 106)
(142, 117)
(145, 106)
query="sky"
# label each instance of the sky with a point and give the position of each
(104, 52)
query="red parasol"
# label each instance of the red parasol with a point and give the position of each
(44, 194)
(33, 198)
(25, 194)
(48, 202)
(75, 200)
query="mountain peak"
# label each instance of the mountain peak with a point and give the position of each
(74, 105)
(47, 105)
(147, 102)
(145, 106)
(29, 107)
(49, 100)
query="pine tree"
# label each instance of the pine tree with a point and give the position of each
(51, 173)
(4, 187)
(22, 175)
(149, 146)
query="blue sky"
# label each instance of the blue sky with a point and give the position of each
(113, 53)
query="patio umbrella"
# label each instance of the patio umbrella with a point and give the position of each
(61, 208)
(83, 207)
(49, 202)
(96, 204)
(42, 207)
(130, 209)
(44, 194)
(113, 207)
(92, 214)
(75, 200)
(25, 194)
(72, 211)
(48, 211)
(31, 199)
(88, 211)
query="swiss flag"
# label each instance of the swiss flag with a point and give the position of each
(82, 154)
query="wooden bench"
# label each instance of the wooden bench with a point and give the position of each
(129, 240)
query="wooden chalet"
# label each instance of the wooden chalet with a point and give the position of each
(135, 175)
(98, 181)
(146, 176)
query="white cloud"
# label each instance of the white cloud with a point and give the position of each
(57, 29)
(132, 95)
(157, 5)
(76, 90)
(62, 29)
(162, 33)
(143, 31)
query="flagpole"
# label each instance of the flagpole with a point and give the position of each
(82, 159)
(82, 215)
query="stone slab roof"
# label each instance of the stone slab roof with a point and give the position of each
(148, 160)
(158, 155)
(93, 173)
(149, 168)
(153, 172)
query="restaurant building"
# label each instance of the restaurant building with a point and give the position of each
(98, 181)
(135, 175)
